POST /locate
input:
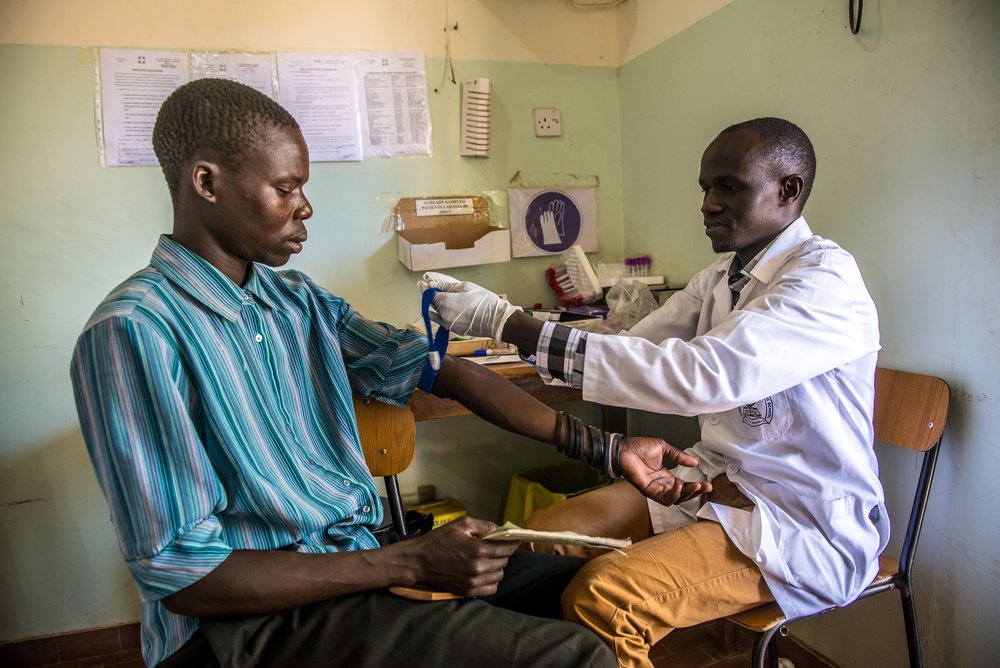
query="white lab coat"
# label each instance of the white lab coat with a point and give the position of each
(783, 390)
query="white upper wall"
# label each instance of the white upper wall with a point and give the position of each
(538, 31)
(642, 24)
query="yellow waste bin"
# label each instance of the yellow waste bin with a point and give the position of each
(535, 489)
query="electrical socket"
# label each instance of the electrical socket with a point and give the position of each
(548, 122)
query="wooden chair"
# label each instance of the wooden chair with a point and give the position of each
(388, 438)
(910, 412)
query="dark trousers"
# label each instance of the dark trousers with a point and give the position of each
(518, 626)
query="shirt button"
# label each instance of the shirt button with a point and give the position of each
(311, 462)
(732, 468)
(258, 338)
(247, 298)
(714, 419)
(366, 509)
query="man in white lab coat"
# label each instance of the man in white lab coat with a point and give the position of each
(773, 347)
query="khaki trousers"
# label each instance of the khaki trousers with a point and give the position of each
(678, 579)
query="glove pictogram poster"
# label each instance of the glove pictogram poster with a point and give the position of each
(547, 221)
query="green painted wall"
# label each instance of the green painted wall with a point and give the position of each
(905, 122)
(71, 230)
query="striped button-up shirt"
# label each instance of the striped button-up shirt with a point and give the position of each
(219, 417)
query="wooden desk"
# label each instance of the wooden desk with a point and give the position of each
(525, 376)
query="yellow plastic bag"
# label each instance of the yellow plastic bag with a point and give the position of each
(530, 491)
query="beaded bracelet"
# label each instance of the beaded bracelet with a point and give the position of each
(605, 447)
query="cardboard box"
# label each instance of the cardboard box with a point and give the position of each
(443, 511)
(437, 233)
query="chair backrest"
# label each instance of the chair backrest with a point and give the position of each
(388, 435)
(910, 409)
(388, 439)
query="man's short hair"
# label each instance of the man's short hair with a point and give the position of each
(218, 114)
(786, 149)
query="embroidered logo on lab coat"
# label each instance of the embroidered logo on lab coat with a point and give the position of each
(752, 415)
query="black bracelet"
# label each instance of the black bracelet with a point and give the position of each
(560, 446)
(596, 448)
(605, 447)
(618, 458)
(576, 442)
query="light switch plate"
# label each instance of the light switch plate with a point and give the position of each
(548, 122)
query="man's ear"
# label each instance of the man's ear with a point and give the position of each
(204, 178)
(791, 189)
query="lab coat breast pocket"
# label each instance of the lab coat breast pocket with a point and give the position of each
(763, 420)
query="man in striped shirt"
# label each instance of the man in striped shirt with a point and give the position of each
(215, 398)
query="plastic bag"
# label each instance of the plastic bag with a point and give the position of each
(628, 303)
(533, 490)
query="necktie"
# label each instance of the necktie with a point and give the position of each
(735, 278)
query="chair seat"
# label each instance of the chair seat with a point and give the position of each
(765, 617)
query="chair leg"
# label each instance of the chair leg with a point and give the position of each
(765, 650)
(396, 505)
(912, 627)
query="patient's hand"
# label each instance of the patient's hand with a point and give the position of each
(454, 558)
(645, 462)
